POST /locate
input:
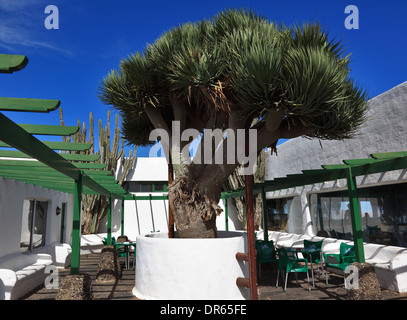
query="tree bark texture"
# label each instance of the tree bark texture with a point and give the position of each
(194, 212)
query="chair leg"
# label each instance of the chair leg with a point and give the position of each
(278, 273)
(312, 273)
(322, 270)
(326, 277)
(309, 288)
(285, 285)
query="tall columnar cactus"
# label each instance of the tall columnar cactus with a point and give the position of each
(94, 207)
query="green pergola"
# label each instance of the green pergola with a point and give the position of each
(27, 159)
(349, 170)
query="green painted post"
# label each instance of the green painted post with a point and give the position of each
(109, 220)
(355, 216)
(122, 217)
(226, 214)
(265, 215)
(76, 227)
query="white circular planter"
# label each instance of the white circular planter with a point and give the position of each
(190, 269)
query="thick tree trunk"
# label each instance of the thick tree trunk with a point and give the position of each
(194, 213)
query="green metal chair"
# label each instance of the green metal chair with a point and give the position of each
(314, 257)
(289, 264)
(265, 253)
(105, 241)
(342, 260)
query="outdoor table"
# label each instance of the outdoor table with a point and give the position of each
(127, 245)
(305, 251)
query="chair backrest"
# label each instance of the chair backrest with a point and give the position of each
(265, 249)
(122, 239)
(310, 244)
(282, 258)
(105, 240)
(346, 250)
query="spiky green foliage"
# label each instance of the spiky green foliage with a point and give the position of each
(239, 61)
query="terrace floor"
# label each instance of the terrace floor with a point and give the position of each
(122, 289)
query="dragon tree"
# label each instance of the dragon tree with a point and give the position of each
(236, 71)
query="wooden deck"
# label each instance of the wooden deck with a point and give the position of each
(119, 290)
(122, 289)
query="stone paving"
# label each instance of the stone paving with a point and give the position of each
(122, 289)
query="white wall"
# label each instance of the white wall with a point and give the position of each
(12, 196)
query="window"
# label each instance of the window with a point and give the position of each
(383, 214)
(33, 227)
(145, 186)
(278, 213)
(133, 186)
(159, 187)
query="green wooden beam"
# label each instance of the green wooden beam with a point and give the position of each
(76, 226)
(150, 197)
(335, 166)
(97, 174)
(66, 156)
(358, 162)
(387, 155)
(56, 145)
(32, 105)
(76, 165)
(355, 216)
(13, 135)
(80, 157)
(10, 63)
(49, 130)
(380, 166)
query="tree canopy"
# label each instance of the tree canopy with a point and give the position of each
(238, 70)
(231, 73)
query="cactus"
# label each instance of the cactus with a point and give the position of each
(94, 207)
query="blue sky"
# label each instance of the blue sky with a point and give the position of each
(93, 36)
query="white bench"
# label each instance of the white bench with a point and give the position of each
(93, 243)
(60, 252)
(22, 272)
(389, 262)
